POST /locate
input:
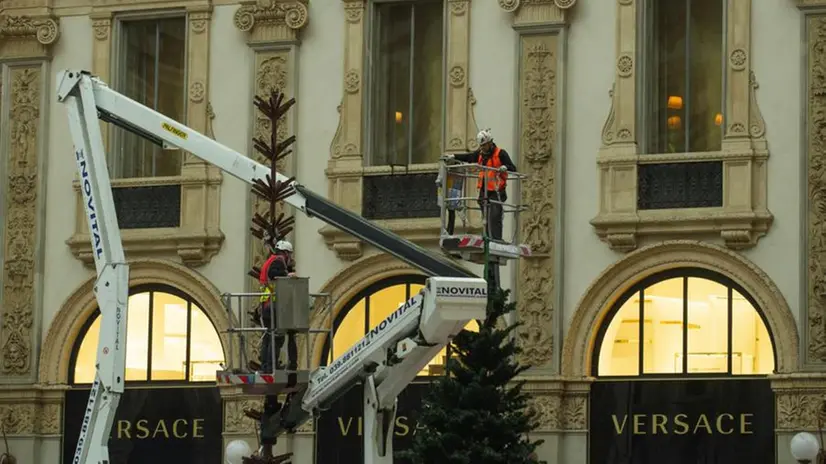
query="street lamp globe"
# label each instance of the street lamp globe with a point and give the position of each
(805, 447)
(237, 450)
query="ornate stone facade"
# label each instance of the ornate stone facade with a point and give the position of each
(273, 30)
(537, 158)
(21, 168)
(198, 237)
(539, 25)
(743, 217)
(816, 201)
(20, 236)
(800, 401)
(560, 405)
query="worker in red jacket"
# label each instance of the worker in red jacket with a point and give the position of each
(491, 183)
(280, 263)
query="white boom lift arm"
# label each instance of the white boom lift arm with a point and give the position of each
(387, 359)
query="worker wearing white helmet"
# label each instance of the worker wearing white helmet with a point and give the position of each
(492, 183)
(279, 264)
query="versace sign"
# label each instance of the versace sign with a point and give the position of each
(158, 426)
(682, 421)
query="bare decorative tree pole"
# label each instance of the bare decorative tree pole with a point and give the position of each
(271, 190)
(271, 224)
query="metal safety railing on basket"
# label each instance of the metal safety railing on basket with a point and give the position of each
(239, 307)
(459, 194)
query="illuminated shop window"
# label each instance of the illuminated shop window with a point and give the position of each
(683, 322)
(372, 305)
(169, 338)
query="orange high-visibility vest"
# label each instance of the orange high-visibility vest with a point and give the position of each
(496, 180)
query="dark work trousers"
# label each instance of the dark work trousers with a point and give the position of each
(268, 365)
(493, 213)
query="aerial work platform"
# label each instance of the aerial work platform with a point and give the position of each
(459, 196)
(291, 313)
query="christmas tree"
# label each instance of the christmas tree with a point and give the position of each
(476, 413)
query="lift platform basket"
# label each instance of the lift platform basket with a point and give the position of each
(459, 196)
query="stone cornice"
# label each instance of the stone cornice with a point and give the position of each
(810, 3)
(280, 20)
(27, 36)
(537, 13)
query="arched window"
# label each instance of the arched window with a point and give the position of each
(372, 305)
(684, 322)
(169, 338)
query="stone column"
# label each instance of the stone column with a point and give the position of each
(200, 181)
(273, 32)
(814, 327)
(561, 405)
(541, 44)
(31, 417)
(25, 51)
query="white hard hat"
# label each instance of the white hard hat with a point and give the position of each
(484, 136)
(284, 245)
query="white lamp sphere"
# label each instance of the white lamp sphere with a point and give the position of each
(804, 446)
(237, 450)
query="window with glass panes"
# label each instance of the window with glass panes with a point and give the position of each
(169, 338)
(684, 322)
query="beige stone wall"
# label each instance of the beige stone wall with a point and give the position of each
(556, 65)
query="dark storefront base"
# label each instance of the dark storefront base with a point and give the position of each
(682, 422)
(157, 426)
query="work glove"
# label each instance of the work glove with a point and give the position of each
(448, 157)
(503, 168)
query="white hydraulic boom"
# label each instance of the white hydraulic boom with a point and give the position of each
(387, 359)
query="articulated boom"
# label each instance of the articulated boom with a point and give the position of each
(386, 360)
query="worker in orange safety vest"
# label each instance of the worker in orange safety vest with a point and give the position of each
(492, 184)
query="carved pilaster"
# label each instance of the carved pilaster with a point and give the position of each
(277, 21)
(27, 36)
(200, 220)
(815, 330)
(273, 31)
(344, 168)
(800, 401)
(559, 405)
(20, 158)
(537, 158)
(459, 137)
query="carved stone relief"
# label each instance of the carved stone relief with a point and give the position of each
(537, 159)
(20, 222)
(27, 36)
(559, 404)
(816, 175)
(272, 22)
(800, 401)
(537, 12)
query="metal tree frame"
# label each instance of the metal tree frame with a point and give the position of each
(274, 224)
